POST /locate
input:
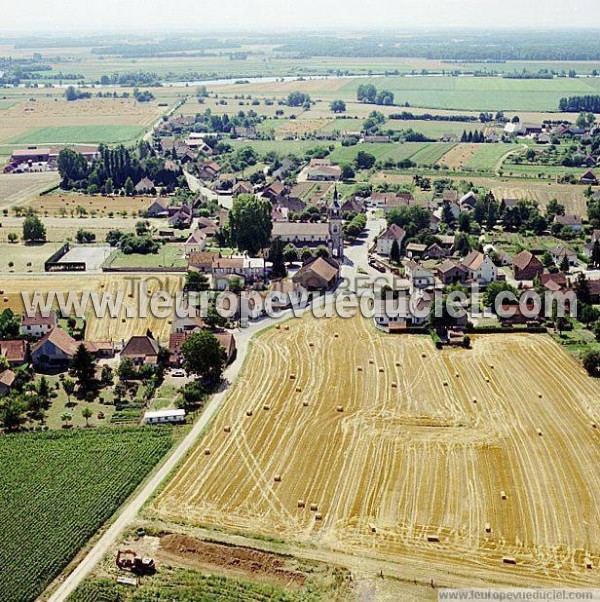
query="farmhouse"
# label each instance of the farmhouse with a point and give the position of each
(195, 243)
(318, 274)
(241, 188)
(158, 208)
(141, 350)
(144, 185)
(452, 272)
(38, 325)
(569, 221)
(324, 173)
(14, 351)
(560, 252)
(201, 261)
(54, 350)
(481, 268)
(389, 200)
(527, 266)
(386, 240)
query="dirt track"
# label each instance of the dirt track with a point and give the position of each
(401, 464)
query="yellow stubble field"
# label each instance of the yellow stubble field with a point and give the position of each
(106, 327)
(398, 445)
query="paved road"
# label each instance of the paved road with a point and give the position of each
(128, 514)
(356, 257)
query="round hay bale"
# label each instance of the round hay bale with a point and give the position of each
(227, 429)
(277, 327)
(488, 528)
(292, 377)
(277, 478)
(373, 529)
(340, 408)
(336, 335)
(397, 364)
(371, 362)
(457, 375)
(359, 368)
(318, 516)
(381, 370)
(266, 408)
(445, 383)
(314, 507)
(540, 395)
(5, 299)
(305, 404)
(207, 452)
(287, 328)
(301, 504)
(394, 385)
(249, 413)
(298, 389)
(311, 344)
(423, 355)
(474, 399)
(487, 380)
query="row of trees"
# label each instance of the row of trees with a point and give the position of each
(576, 104)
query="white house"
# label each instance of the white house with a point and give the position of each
(168, 416)
(560, 252)
(38, 325)
(387, 238)
(481, 268)
(195, 243)
(419, 277)
(400, 313)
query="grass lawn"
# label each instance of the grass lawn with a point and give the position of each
(58, 489)
(60, 405)
(93, 134)
(282, 147)
(381, 151)
(170, 256)
(540, 171)
(165, 395)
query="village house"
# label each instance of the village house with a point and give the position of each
(481, 268)
(7, 378)
(145, 185)
(274, 190)
(207, 226)
(38, 325)
(554, 282)
(415, 249)
(353, 205)
(559, 253)
(15, 352)
(241, 188)
(195, 243)
(569, 221)
(176, 340)
(390, 200)
(158, 208)
(419, 277)
(435, 251)
(385, 241)
(201, 261)
(141, 350)
(318, 274)
(452, 272)
(54, 350)
(284, 291)
(323, 173)
(209, 170)
(468, 201)
(400, 313)
(527, 266)
(589, 247)
(589, 178)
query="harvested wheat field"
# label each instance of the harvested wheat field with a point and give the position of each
(381, 446)
(99, 328)
(458, 156)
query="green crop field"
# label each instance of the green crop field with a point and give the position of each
(488, 156)
(58, 488)
(341, 125)
(168, 256)
(540, 171)
(431, 154)
(93, 134)
(478, 93)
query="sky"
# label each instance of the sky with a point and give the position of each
(264, 15)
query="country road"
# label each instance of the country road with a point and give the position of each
(129, 512)
(356, 255)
